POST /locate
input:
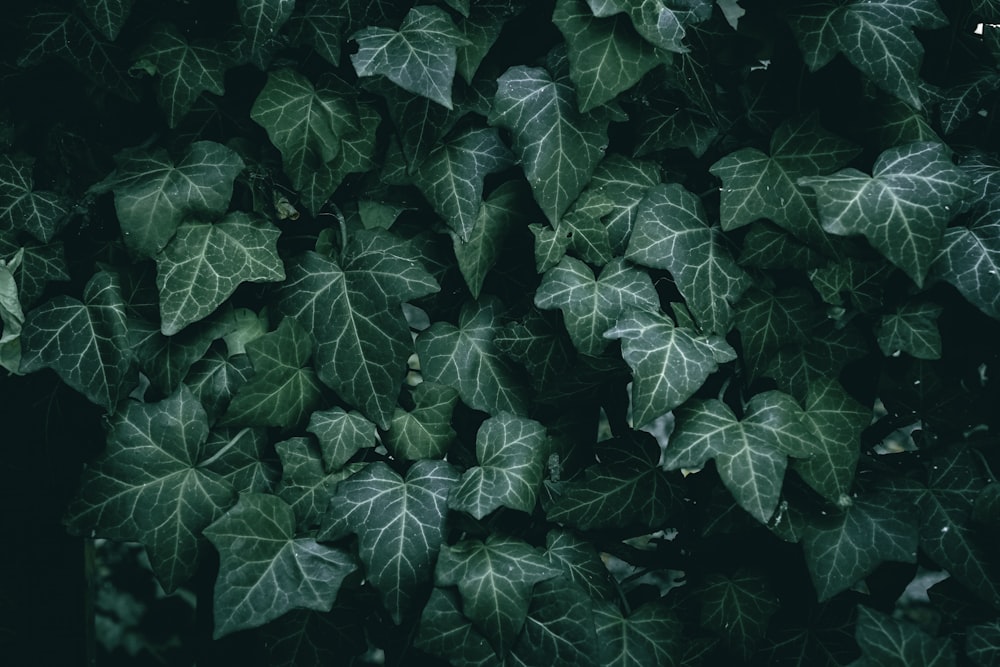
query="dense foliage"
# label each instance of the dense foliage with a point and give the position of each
(565, 332)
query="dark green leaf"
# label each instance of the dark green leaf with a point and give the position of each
(447, 633)
(797, 367)
(982, 644)
(770, 319)
(580, 562)
(243, 458)
(648, 636)
(767, 247)
(38, 212)
(215, 378)
(550, 246)
(852, 282)
(108, 16)
(670, 124)
(969, 258)
(424, 432)
(738, 609)
(661, 23)
(304, 637)
(498, 215)
(559, 629)
(341, 435)
(625, 183)
(890, 642)
(911, 328)
(961, 101)
(305, 484)
(40, 265)
(261, 21)
(538, 343)
(320, 25)
(166, 360)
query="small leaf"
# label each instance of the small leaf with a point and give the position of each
(261, 20)
(738, 609)
(579, 561)
(341, 435)
(425, 432)
(108, 16)
(648, 636)
(625, 183)
(498, 215)
(896, 643)
(265, 570)
(911, 328)
(38, 212)
(305, 485)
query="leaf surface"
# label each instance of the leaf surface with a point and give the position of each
(261, 20)
(108, 16)
(559, 628)
(648, 636)
(501, 212)
(306, 485)
(446, 632)
(969, 257)
(38, 212)
(911, 328)
(896, 643)
(341, 435)
(737, 608)
(425, 432)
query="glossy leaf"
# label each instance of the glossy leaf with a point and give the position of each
(40, 265)
(38, 212)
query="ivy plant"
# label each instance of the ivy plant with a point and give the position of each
(497, 332)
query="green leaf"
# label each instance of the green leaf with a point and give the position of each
(659, 22)
(38, 212)
(154, 194)
(261, 21)
(737, 608)
(982, 643)
(671, 232)
(559, 629)
(648, 636)
(108, 16)
(420, 57)
(550, 246)
(969, 257)
(283, 390)
(869, 532)
(668, 363)
(590, 307)
(303, 637)
(627, 489)
(146, 487)
(341, 435)
(768, 247)
(321, 26)
(85, 343)
(494, 579)
(902, 209)
(666, 123)
(265, 570)
(797, 367)
(891, 642)
(558, 146)
(204, 263)
(305, 484)
(511, 452)
(465, 357)
(852, 282)
(580, 562)
(166, 360)
(625, 183)
(770, 319)
(606, 56)
(243, 458)
(40, 265)
(911, 328)
(451, 176)
(588, 237)
(424, 432)
(399, 523)
(538, 343)
(215, 378)
(498, 215)
(184, 69)
(447, 633)
(481, 28)
(876, 37)
(962, 101)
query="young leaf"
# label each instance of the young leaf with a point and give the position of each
(204, 263)
(282, 389)
(558, 146)
(261, 21)
(424, 432)
(738, 609)
(911, 328)
(648, 636)
(902, 209)
(108, 16)
(495, 579)
(153, 194)
(447, 633)
(265, 570)
(420, 57)
(341, 435)
(668, 363)
(671, 233)
(498, 215)
(399, 523)
(559, 628)
(146, 486)
(86, 343)
(897, 643)
(969, 258)
(38, 212)
(511, 452)
(305, 484)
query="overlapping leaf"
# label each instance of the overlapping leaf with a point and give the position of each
(893, 642)
(770, 319)
(624, 182)
(146, 486)
(661, 23)
(38, 212)
(166, 360)
(671, 233)
(425, 432)
(447, 633)
(558, 146)
(498, 215)
(261, 21)
(399, 523)
(215, 378)
(40, 265)
(341, 435)
(669, 123)
(650, 635)
(580, 562)
(668, 363)
(902, 209)
(982, 643)
(306, 485)
(265, 570)
(242, 458)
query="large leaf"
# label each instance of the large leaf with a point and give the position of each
(85, 343)
(668, 363)
(146, 486)
(420, 57)
(648, 636)
(205, 262)
(38, 212)
(892, 642)
(737, 608)
(465, 357)
(590, 307)
(265, 570)
(154, 194)
(902, 209)
(559, 629)
(341, 435)
(425, 432)
(261, 20)
(671, 232)
(399, 523)
(969, 257)
(558, 146)
(494, 579)
(353, 312)
(108, 16)
(511, 452)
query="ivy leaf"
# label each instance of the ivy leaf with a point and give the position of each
(166, 360)
(559, 628)
(668, 123)
(625, 183)
(353, 313)
(481, 28)
(40, 265)
(911, 328)
(770, 319)
(204, 263)
(538, 343)
(108, 16)
(671, 233)
(588, 237)
(550, 246)
(982, 643)
(498, 215)
(896, 643)
(261, 21)
(627, 489)
(424, 432)
(242, 458)
(902, 209)
(215, 378)
(668, 363)
(511, 452)
(969, 257)
(590, 307)
(319, 25)
(265, 570)
(420, 57)
(737, 608)
(446, 632)
(580, 562)
(85, 343)
(146, 487)
(341, 435)
(451, 176)
(768, 247)
(153, 194)
(38, 212)
(282, 389)
(399, 523)
(961, 101)
(558, 146)
(876, 37)
(465, 357)
(305, 484)
(796, 367)
(494, 579)
(606, 56)
(650, 635)
(660, 24)
(303, 637)
(185, 70)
